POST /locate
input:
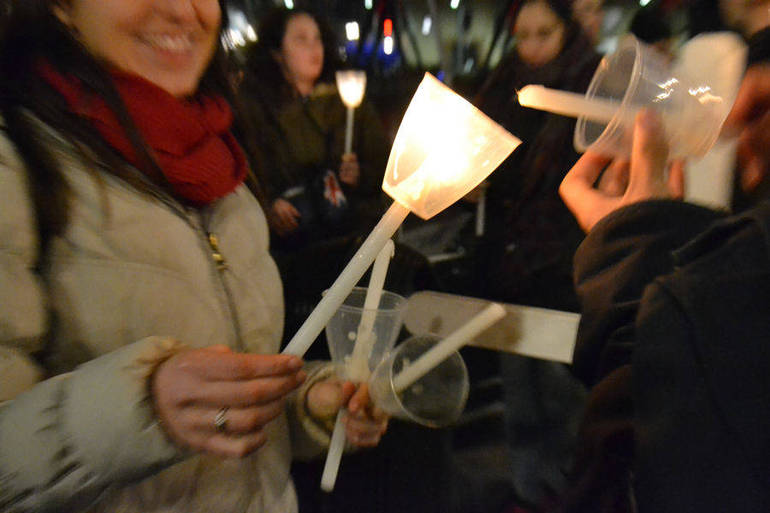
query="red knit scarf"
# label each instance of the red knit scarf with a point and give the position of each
(189, 139)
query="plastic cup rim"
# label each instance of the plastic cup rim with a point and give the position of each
(630, 42)
(413, 417)
(400, 303)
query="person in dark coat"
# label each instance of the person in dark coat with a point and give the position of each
(529, 234)
(672, 339)
(525, 256)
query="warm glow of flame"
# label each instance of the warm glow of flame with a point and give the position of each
(351, 85)
(444, 148)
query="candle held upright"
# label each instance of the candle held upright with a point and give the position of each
(351, 85)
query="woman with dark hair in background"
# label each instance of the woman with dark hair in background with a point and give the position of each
(530, 236)
(529, 232)
(320, 198)
(141, 311)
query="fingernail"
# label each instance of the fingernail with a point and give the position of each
(295, 363)
(301, 376)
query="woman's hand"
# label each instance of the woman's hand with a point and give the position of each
(350, 172)
(364, 424)
(285, 218)
(194, 388)
(750, 120)
(647, 176)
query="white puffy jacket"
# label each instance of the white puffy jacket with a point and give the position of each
(132, 275)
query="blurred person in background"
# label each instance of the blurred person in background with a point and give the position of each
(590, 15)
(751, 18)
(529, 233)
(530, 236)
(141, 310)
(651, 25)
(321, 199)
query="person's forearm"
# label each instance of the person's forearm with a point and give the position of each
(70, 437)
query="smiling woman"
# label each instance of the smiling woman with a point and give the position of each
(167, 43)
(141, 310)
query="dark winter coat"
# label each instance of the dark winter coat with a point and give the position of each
(304, 137)
(531, 236)
(673, 339)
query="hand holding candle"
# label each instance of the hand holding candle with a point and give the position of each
(358, 367)
(362, 331)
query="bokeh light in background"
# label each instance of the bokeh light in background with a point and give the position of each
(459, 41)
(457, 38)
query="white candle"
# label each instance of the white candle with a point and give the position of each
(351, 86)
(567, 103)
(335, 296)
(359, 361)
(349, 131)
(444, 349)
(358, 369)
(333, 457)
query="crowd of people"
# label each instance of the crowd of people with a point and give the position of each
(170, 216)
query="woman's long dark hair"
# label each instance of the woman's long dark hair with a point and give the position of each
(31, 32)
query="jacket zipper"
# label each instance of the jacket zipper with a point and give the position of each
(221, 268)
(213, 242)
(218, 259)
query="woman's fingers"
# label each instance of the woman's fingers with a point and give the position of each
(364, 430)
(365, 423)
(211, 377)
(325, 398)
(191, 388)
(212, 365)
(586, 203)
(245, 393)
(614, 179)
(234, 421)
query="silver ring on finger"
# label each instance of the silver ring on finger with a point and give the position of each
(220, 420)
